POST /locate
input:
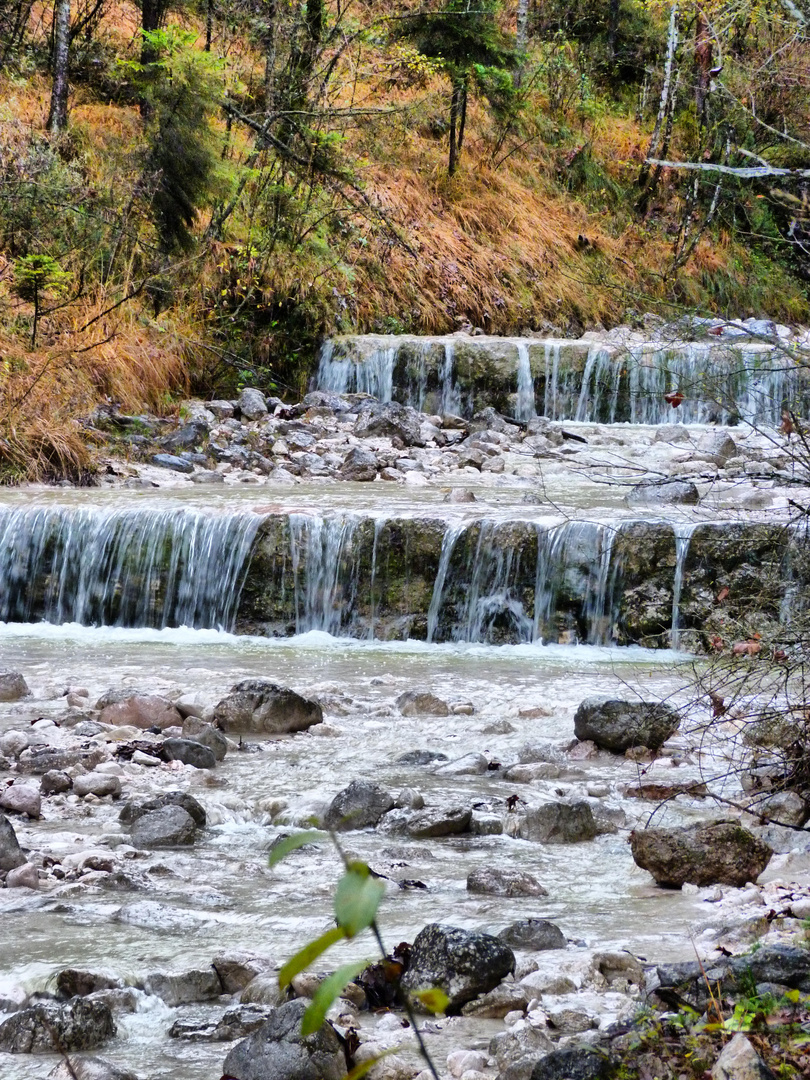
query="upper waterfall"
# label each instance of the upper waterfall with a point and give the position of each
(708, 381)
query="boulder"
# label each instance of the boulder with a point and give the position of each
(10, 855)
(173, 462)
(276, 1050)
(141, 711)
(359, 465)
(739, 1061)
(184, 987)
(495, 882)
(359, 806)
(472, 764)
(98, 784)
(664, 493)
(237, 969)
(559, 823)
(573, 1063)
(421, 703)
(717, 446)
(171, 826)
(252, 404)
(21, 799)
(42, 1029)
(391, 420)
(261, 706)
(439, 821)
(534, 934)
(23, 877)
(462, 963)
(263, 990)
(185, 437)
(131, 811)
(709, 853)
(90, 1068)
(617, 725)
(12, 686)
(75, 982)
(421, 757)
(189, 751)
(55, 782)
(206, 734)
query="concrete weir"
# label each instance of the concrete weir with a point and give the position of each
(372, 576)
(717, 380)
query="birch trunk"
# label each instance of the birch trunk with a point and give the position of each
(57, 117)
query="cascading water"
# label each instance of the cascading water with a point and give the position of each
(683, 534)
(373, 375)
(524, 408)
(325, 586)
(135, 567)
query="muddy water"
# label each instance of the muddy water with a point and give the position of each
(220, 893)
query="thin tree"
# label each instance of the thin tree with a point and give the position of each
(58, 115)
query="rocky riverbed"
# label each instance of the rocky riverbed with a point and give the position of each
(142, 924)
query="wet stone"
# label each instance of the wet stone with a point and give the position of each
(496, 882)
(90, 1068)
(10, 854)
(190, 752)
(462, 963)
(40, 1029)
(276, 1050)
(359, 806)
(534, 934)
(171, 826)
(13, 686)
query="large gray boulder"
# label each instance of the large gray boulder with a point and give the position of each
(496, 882)
(257, 705)
(573, 1063)
(359, 806)
(462, 963)
(184, 987)
(21, 799)
(81, 1024)
(617, 725)
(140, 711)
(710, 853)
(10, 855)
(535, 934)
(252, 404)
(171, 826)
(391, 420)
(359, 465)
(12, 686)
(131, 811)
(276, 1051)
(98, 784)
(740, 1061)
(189, 751)
(559, 823)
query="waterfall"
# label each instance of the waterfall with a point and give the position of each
(133, 567)
(373, 375)
(525, 409)
(451, 535)
(324, 592)
(683, 534)
(576, 574)
(451, 395)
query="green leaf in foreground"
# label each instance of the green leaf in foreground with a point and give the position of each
(434, 1000)
(326, 994)
(357, 898)
(297, 840)
(306, 956)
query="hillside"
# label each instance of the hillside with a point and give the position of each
(202, 219)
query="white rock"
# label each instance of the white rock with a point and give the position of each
(462, 1061)
(139, 758)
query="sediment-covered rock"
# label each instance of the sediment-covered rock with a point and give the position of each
(359, 806)
(710, 853)
(616, 725)
(262, 706)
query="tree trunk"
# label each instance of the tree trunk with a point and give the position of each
(613, 27)
(209, 24)
(269, 35)
(522, 38)
(703, 65)
(462, 124)
(57, 117)
(644, 184)
(454, 102)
